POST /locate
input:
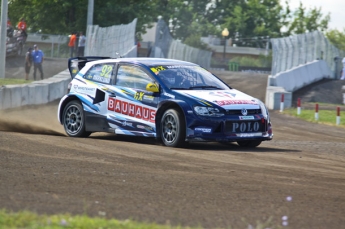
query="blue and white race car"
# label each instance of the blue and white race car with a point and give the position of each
(171, 100)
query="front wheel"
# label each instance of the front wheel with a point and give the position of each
(73, 120)
(173, 128)
(249, 143)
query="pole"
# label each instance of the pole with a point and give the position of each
(89, 23)
(90, 13)
(338, 116)
(3, 34)
(282, 103)
(317, 112)
(224, 49)
(298, 106)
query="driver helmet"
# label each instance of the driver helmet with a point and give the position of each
(169, 78)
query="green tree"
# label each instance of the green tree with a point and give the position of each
(187, 19)
(303, 20)
(337, 38)
(64, 16)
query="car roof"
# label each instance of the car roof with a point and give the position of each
(146, 61)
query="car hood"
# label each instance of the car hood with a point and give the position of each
(227, 99)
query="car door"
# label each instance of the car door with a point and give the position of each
(94, 94)
(133, 110)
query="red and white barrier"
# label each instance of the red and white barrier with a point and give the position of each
(317, 112)
(298, 106)
(282, 103)
(338, 116)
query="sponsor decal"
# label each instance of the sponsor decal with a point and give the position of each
(249, 135)
(148, 97)
(131, 109)
(179, 66)
(157, 69)
(139, 96)
(125, 123)
(84, 90)
(232, 102)
(148, 128)
(203, 130)
(245, 127)
(101, 79)
(223, 94)
(246, 117)
(169, 95)
(140, 127)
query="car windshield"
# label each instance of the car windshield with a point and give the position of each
(188, 78)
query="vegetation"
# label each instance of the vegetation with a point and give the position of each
(327, 117)
(261, 61)
(26, 219)
(337, 38)
(13, 81)
(31, 220)
(245, 20)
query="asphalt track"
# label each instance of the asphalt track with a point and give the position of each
(299, 174)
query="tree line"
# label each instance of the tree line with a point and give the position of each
(188, 20)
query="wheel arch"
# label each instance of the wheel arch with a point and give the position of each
(65, 102)
(178, 105)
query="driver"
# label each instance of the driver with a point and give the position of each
(174, 80)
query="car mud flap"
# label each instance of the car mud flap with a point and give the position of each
(96, 123)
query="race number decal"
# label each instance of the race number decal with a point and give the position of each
(106, 71)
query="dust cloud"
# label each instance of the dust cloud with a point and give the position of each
(38, 119)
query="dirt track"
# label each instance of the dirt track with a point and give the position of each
(210, 185)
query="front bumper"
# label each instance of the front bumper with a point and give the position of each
(229, 129)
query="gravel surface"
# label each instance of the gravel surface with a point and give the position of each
(299, 174)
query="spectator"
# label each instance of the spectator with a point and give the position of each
(9, 28)
(28, 63)
(22, 27)
(9, 22)
(71, 44)
(342, 73)
(81, 44)
(37, 56)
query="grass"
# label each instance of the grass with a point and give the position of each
(13, 81)
(30, 220)
(326, 116)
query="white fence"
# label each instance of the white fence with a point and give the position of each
(292, 51)
(111, 41)
(166, 47)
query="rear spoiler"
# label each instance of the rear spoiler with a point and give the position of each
(77, 63)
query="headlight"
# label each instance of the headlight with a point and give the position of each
(208, 111)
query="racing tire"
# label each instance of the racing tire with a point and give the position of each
(73, 120)
(249, 143)
(173, 129)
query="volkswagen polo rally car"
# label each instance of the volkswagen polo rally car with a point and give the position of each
(171, 100)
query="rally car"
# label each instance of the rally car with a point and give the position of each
(171, 100)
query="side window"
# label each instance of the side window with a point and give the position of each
(132, 77)
(101, 73)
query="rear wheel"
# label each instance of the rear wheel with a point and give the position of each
(249, 143)
(173, 128)
(73, 120)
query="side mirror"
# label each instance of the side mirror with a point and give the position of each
(152, 87)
